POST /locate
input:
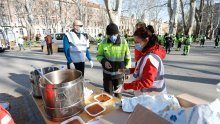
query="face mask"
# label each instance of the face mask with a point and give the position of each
(80, 30)
(113, 38)
(138, 46)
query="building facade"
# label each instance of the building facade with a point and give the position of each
(47, 17)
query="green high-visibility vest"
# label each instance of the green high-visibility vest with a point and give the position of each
(117, 54)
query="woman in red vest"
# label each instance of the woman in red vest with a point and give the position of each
(148, 74)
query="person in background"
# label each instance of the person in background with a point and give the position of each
(21, 43)
(160, 40)
(148, 74)
(168, 44)
(42, 41)
(217, 39)
(180, 40)
(203, 38)
(99, 39)
(113, 54)
(75, 47)
(187, 42)
(17, 37)
(48, 40)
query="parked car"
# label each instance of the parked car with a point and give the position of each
(58, 39)
(4, 43)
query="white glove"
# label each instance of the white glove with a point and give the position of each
(91, 64)
(120, 89)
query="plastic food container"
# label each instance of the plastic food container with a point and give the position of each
(74, 120)
(95, 109)
(103, 97)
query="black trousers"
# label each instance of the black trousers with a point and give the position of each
(168, 49)
(78, 66)
(111, 85)
(49, 49)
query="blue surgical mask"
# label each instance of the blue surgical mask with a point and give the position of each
(138, 46)
(113, 38)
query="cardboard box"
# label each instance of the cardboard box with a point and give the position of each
(142, 115)
(187, 100)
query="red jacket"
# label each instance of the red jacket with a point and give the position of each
(5, 117)
(137, 55)
(149, 71)
(48, 39)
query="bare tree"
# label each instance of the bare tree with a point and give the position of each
(24, 10)
(9, 11)
(188, 27)
(210, 18)
(199, 17)
(148, 11)
(114, 13)
(173, 7)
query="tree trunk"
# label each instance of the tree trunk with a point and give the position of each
(60, 15)
(176, 9)
(210, 18)
(9, 12)
(191, 17)
(173, 16)
(183, 16)
(199, 17)
(30, 17)
(114, 14)
(170, 12)
(213, 32)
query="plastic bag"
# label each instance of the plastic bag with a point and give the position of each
(157, 104)
(200, 114)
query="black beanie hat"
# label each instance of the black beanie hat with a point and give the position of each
(112, 29)
(150, 28)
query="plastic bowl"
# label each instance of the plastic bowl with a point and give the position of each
(95, 97)
(73, 118)
(94, 115)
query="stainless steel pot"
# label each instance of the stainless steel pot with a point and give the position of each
(35, 76)
(64, 98)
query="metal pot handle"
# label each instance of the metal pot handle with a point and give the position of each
(61, 96)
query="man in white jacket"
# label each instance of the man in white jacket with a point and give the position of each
(75, 47)
(21, 43)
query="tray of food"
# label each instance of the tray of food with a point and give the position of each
(74, 120)
(103, 97)
(95, 109)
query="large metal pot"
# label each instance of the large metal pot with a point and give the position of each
(35, 76)
(64, 98)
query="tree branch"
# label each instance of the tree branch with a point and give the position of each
(161, 5)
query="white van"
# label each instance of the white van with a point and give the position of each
(4, 43)
(58, 39)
